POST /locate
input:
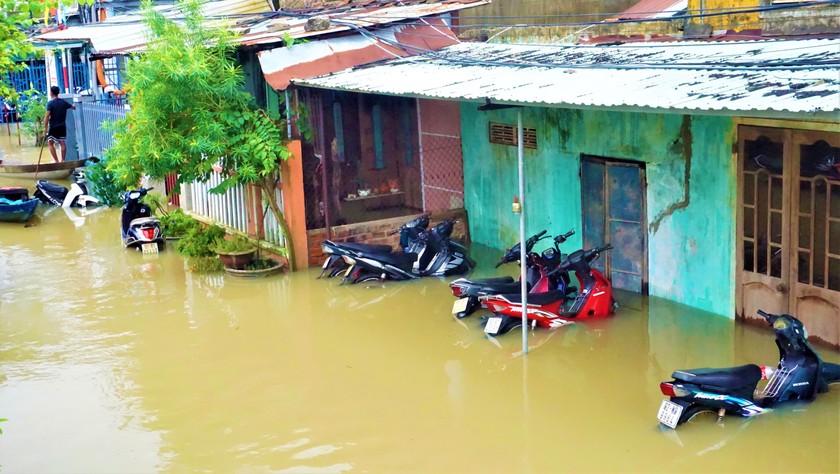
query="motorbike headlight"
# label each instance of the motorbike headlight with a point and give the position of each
(349, 260)
(326, 249)
(134, 195)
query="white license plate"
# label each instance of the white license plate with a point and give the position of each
(493, 325)
(149, 248)
(460, 305)
(669, 413)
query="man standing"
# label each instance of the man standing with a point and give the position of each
(54, 123)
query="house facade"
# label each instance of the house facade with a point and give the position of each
(710, 167)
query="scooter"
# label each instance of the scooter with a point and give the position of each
(57, 195)
(469, 291)
(800, 375)
(437, 256)
(554, 309)
(139, 229)
(335, 265)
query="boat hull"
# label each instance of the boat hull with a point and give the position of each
(18, 212)
(42, 171)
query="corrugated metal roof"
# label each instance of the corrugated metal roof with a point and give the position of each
(123, 35)
(775, 78)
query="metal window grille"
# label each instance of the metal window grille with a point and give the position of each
(442, 169)
(504, 134)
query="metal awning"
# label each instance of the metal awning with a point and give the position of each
(781, 78)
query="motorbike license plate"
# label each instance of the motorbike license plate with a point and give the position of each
(460, 305)
(669, 413)
(493, 325)
(149, 248)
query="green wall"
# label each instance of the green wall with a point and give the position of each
(690, 241)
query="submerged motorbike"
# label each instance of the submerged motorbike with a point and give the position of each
(436, 255)
(139, 229)
(800, 375)
(335, 264)
(536, 278)
(57, 195)
(555, 308)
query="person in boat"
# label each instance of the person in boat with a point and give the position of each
(54, 123)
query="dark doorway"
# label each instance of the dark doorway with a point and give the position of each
(613, 201)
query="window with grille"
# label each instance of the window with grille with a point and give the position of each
(504, 134)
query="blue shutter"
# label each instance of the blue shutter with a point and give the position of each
(379, 163)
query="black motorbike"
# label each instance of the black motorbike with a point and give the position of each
(335, 264)
(537, 265)
(800, 375)
(58, 195)
(436, 255)
(139, 229)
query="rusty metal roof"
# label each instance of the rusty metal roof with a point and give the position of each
(653, 9)
(793, 78)
(256, 22)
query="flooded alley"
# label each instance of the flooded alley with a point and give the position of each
(112, 361)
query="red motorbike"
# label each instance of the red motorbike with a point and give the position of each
(553, 308)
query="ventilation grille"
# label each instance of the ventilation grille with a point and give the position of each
(503, 134)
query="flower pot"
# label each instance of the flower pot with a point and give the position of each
(275, 268)
(237, 260)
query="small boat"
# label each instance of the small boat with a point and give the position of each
(49, 170)
(16, 205)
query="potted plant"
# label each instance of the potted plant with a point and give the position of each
(235, 252)
(177, 224)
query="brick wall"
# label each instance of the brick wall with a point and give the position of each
(376, 232)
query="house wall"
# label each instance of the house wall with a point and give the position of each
(690, 194)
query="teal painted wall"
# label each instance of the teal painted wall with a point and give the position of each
(691, 251)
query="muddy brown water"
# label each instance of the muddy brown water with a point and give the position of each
(111, 361)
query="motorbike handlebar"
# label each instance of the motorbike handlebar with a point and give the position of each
(562, 238)
(764, 314)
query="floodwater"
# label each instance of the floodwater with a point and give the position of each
(112, 361)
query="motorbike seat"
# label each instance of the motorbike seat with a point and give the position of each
(397, 259)
(721, 379)
(492, 281)
(538, 298)
(57, 191)
(366, 247)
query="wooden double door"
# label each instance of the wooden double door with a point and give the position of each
(788, 252)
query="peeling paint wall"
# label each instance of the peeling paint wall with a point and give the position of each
(691, 223)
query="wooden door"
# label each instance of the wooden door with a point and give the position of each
(613, 200)
(815, 272)
(789, 227)
(764, 237)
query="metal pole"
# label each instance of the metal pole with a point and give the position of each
(523, 262)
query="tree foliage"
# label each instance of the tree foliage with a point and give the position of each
(189, 112)
(15, 15)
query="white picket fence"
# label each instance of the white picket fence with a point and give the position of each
(273, 233)
(230, 209)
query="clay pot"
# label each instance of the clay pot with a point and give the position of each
(237, 260)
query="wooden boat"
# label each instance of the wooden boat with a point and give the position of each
(49, 170)
(16, 205)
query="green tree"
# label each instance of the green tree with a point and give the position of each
(15, 15)
(189, 113)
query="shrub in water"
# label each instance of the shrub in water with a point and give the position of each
(201, 242)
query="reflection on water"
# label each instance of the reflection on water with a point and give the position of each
(115, 362)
